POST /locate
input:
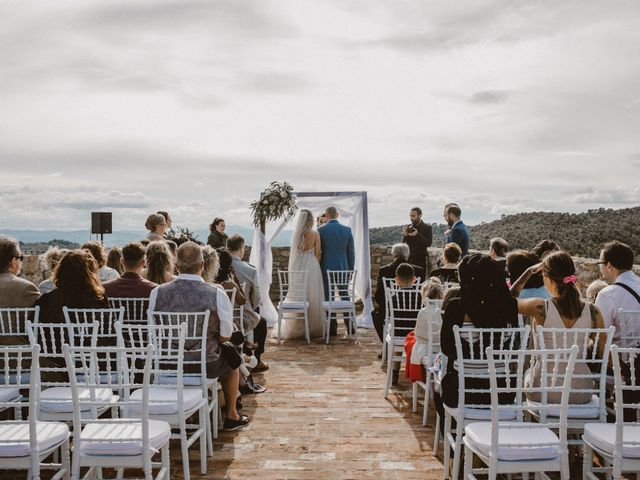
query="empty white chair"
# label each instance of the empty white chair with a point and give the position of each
(293, 299)
(181, 402)
(589, 377)
(516, 446)
(404, 305)
(135, 309)
(133, 439)
(618, 444)
(629, 328)
(433, 324)
(342, 299)
(25, 445)
(473, 369)
(13, 323)
(106, 318)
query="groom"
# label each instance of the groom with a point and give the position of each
(338, 252)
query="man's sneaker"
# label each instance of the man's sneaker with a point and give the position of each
(230, 425)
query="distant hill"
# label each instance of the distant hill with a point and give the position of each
(581, 234)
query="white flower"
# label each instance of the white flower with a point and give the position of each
(265, 202)
(283, 194)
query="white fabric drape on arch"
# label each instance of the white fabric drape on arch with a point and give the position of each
(353, 212)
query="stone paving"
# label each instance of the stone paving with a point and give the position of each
(324, 417)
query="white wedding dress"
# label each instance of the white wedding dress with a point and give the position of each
(294, 327)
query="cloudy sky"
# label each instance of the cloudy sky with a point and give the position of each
(195, 106)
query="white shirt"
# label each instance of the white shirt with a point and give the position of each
(613, 297)
(224, 307)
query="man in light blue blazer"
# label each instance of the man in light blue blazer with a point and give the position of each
(338, 252)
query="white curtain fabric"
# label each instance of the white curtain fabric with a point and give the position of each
(353, 212)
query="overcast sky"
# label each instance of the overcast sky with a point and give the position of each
(195, 106)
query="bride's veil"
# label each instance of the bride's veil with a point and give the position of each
(297, 239)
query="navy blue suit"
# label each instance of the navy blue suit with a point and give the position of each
(338, 252)
(460, 235)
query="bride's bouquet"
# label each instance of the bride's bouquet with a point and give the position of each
(276, 201)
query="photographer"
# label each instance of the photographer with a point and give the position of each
(418, 235)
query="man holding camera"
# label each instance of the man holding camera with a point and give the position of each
(418, 235)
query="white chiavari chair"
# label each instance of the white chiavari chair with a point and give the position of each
(629, 328)
(25, 445)
(106, 318)
(135, 309)
(386, 283)
(342, 299)
(13, 324)
(518, 446)
(293, 302)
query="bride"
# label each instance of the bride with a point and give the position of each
(305, 255)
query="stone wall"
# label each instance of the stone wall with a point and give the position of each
(588, 270)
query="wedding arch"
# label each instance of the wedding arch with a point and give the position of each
(353, 212)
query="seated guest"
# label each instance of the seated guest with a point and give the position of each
(190, 293)
(114, 259)
(97, 252)
(247, 274)
(130, 284)
(157, 225)
(321, 220)
(217, 237)
(51, 259)
(545, 247)
(616, 262)
(159, 262)
(484, 302)
(448, 272)
(565, 310)
(226, 278)
(77, 286)
(211, 264)
(416, 344)
(594, 289)
(15, 292)
(400, 254)
(517, 263)
(498, 248)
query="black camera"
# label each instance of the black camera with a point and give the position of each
(410, 228)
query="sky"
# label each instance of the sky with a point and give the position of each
(196, 106)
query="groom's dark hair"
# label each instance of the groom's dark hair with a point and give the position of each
(331, 212)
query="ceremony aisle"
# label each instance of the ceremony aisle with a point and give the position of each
(324, 417)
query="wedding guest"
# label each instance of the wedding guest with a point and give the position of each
(51, 259)
(77, 286)
(159, 263)
(95, 249)
(15, 292)
(457, 232)
(211, 264)
(518, 262)
(114, 259)
(321, 220)
(248, 275)
(131, 284)
(565, 310)
(217, 237)
(448, 272)
(226, 278)
(545, 247)
(400, 255)
(157, 225)
(419, 236)
(594, 289)
(167, 218)
(190, 293)
(498, 248)
(173, 248)
(616, 263)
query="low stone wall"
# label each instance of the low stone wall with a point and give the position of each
(33, 269)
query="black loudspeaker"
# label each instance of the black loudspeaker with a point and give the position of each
(101, 222)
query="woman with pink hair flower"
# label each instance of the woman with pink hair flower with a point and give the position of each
(565, 310)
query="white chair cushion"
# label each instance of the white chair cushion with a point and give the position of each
(585, 411)
(9, 394)
(187, 380)
(164, 401)
(50, 435)
(293, 305)
(25, 378)
(337, 304)
(481, 413)
(58, 399)
(159, 434)
(479, 435)
(603, 436)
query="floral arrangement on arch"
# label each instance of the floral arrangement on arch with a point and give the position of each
(276, 201)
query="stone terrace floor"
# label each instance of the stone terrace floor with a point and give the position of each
(324, 417)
